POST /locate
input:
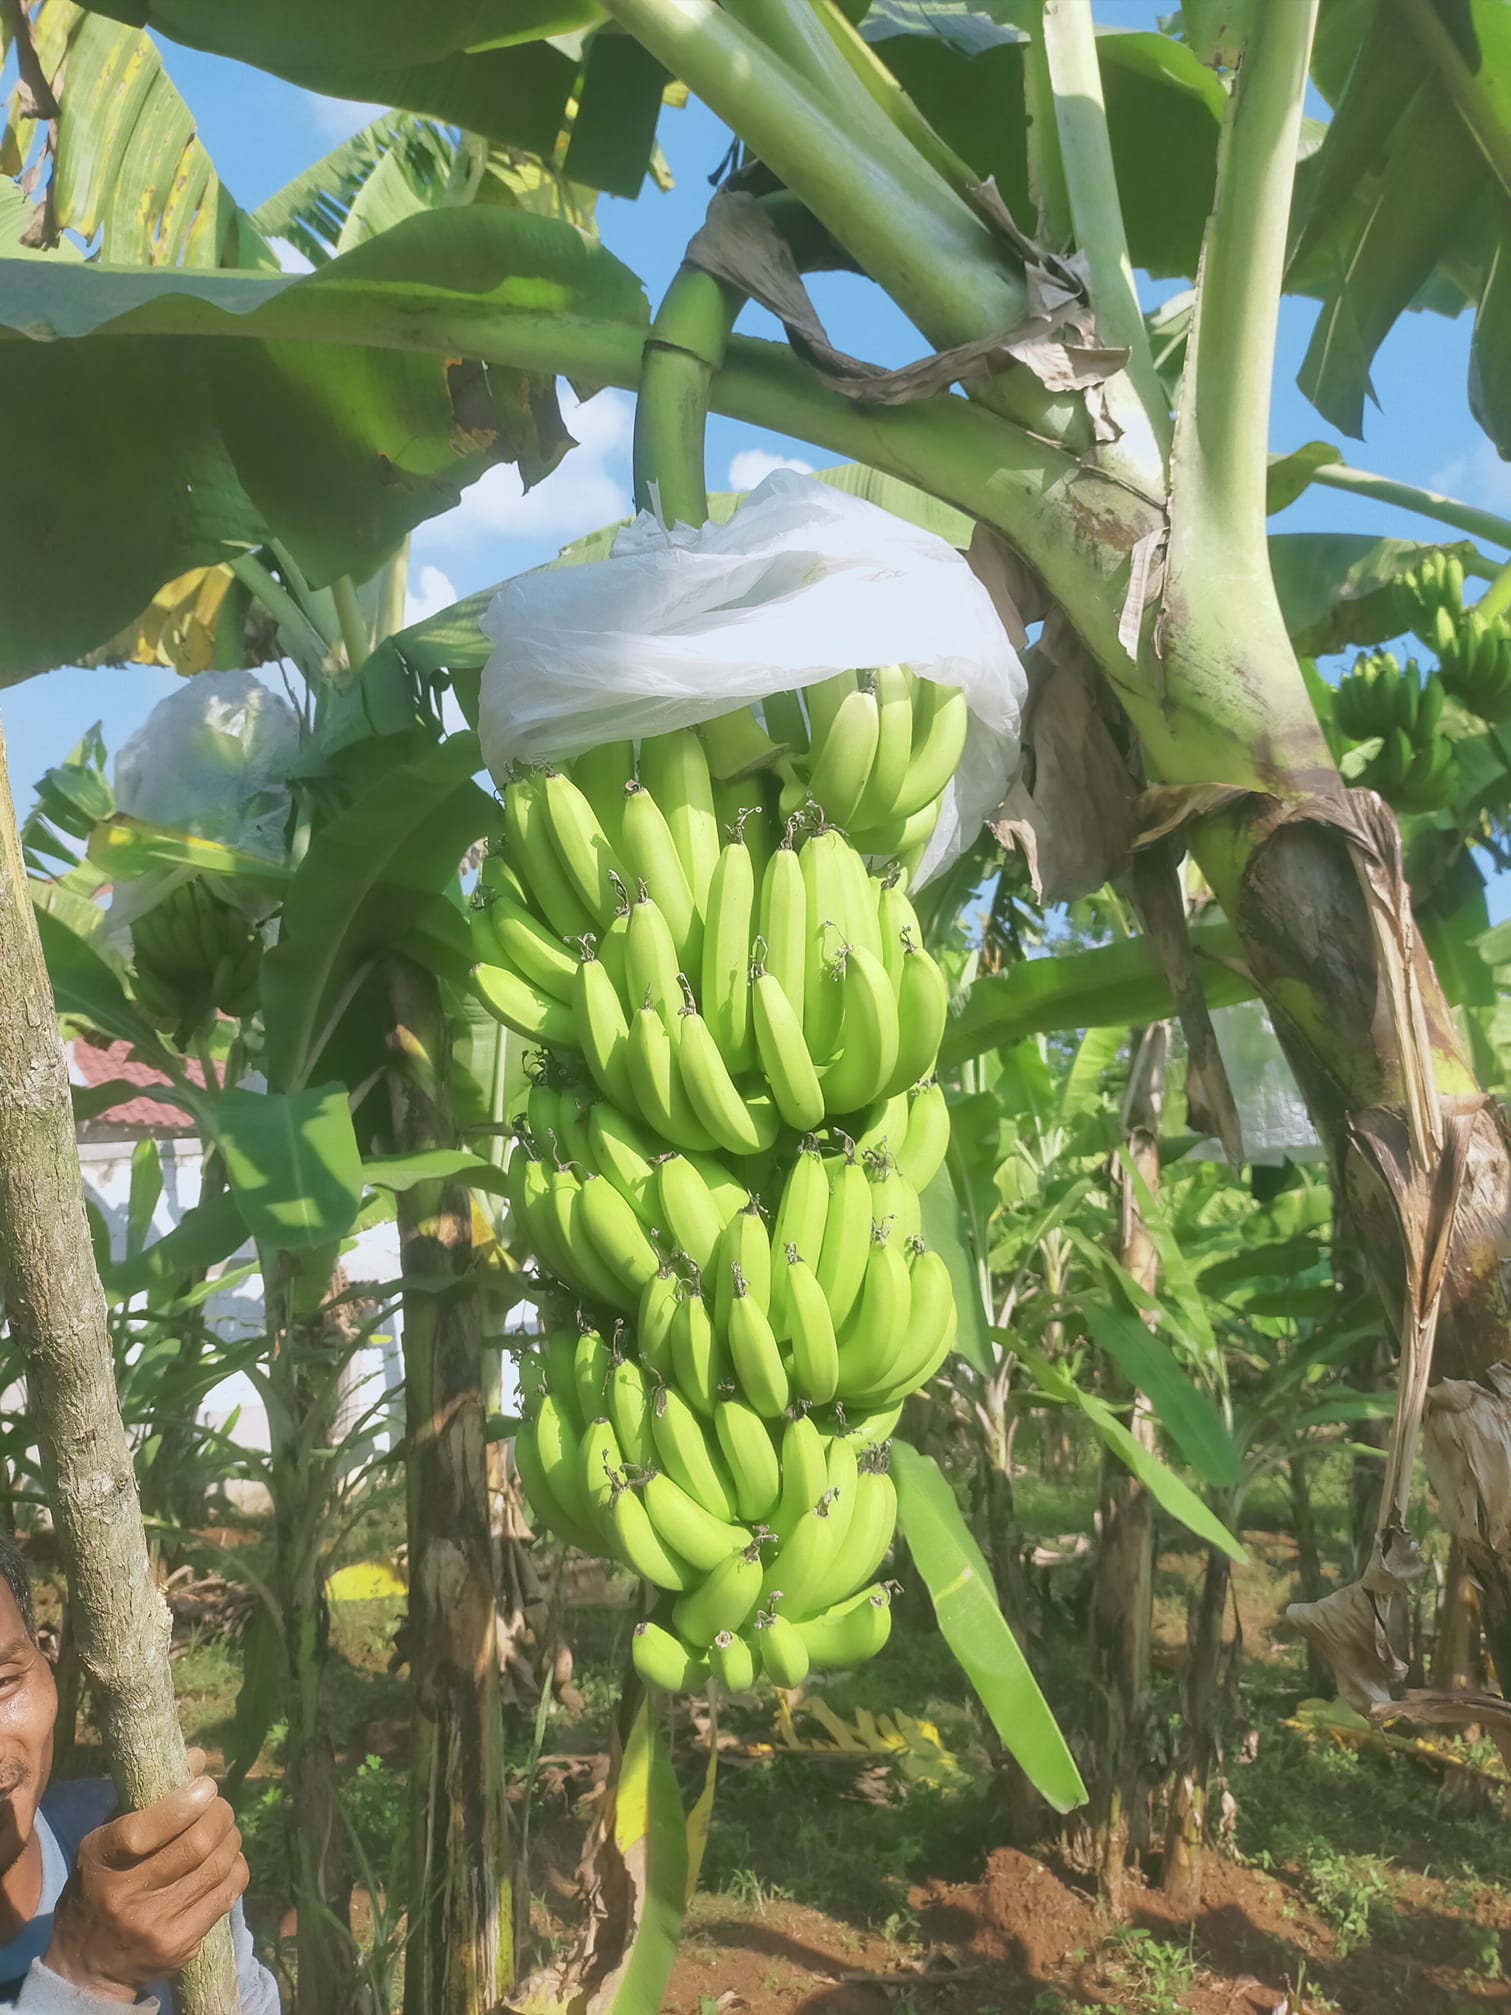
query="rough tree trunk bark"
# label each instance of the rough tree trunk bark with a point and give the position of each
(461, 1942)
(56, 1312)
(1122, 1598)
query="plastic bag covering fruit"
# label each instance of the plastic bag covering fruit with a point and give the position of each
(213, 759)
(679, 625)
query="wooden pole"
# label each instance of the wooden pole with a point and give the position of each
(56, 1310)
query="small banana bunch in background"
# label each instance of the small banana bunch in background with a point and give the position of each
(1433, 588)
(1474, 656)
(1413, 768)
(721, 1157)
(193, 955)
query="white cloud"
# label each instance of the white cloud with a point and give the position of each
(752, 465)
(1480, 477)
(589, 488)
(429, 593)
(338, 118)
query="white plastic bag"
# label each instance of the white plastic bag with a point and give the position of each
(1272, 1114)
(213, 759)
(678, 625)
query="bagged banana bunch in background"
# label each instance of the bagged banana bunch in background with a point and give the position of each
(724, 758)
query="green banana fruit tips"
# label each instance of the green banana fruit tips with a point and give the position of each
(718, 1158)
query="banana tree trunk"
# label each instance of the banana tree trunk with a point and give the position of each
(459, 1959)
(1122, 1599)
(56, 1312)
(305, 1385)
(1200, 1734)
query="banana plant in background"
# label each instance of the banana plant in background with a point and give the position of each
(1093, 458)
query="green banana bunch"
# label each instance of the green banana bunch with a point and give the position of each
(1435, 583)
(194, 955)
(1474, 656)
(718, 1161)
(1379, 699)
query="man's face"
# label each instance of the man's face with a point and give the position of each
(28, 1709)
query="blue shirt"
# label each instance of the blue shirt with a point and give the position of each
(66, 1814)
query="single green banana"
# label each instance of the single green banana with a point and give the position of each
(590, 1375)
(690, 1215)
(601, 773)
(784, 924)
(535, 1015)
(739, 1125)
(732, 1661)
(602, 1466)
(655, 1067)
(544, 1501)
(922, 1149)
(663, 1660)
(752, 1458)
(603, 1034)
(923, 1009)
(894, 746)
(726, 1600)
(532, 854)
(840, 763)
(805, 1474)
(697, 1353)
(629, 1399)
(896, 919)
(684, 1453)
(674, 768)
(650, 960)
(810, 1329)
(823, 701)
(753, 1350)
(591, 865)
(651, 857)
(868, 1053)
(654, 1318)
(850, 1633)
(743, 1251)
(788, 1068)
(617, 1236)
(686, 1527)
(842, 1258)
(938, 743)
(728, 931)
(873, 1340)
(784, 1655)
(623, 1151)
(873, 1521)
(641, 1547)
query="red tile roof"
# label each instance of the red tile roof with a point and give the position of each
(99, 1063)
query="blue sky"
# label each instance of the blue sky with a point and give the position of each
(260, 132)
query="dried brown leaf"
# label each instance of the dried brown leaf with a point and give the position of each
(738, 243)
(1075, 823)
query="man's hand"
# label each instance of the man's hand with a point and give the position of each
(145, 1890)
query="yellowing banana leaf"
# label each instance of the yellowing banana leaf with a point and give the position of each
(363, 1581)
(965, 1603)
(913, 1745)
(701, 1816)
(126, 847)
(196, 622)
